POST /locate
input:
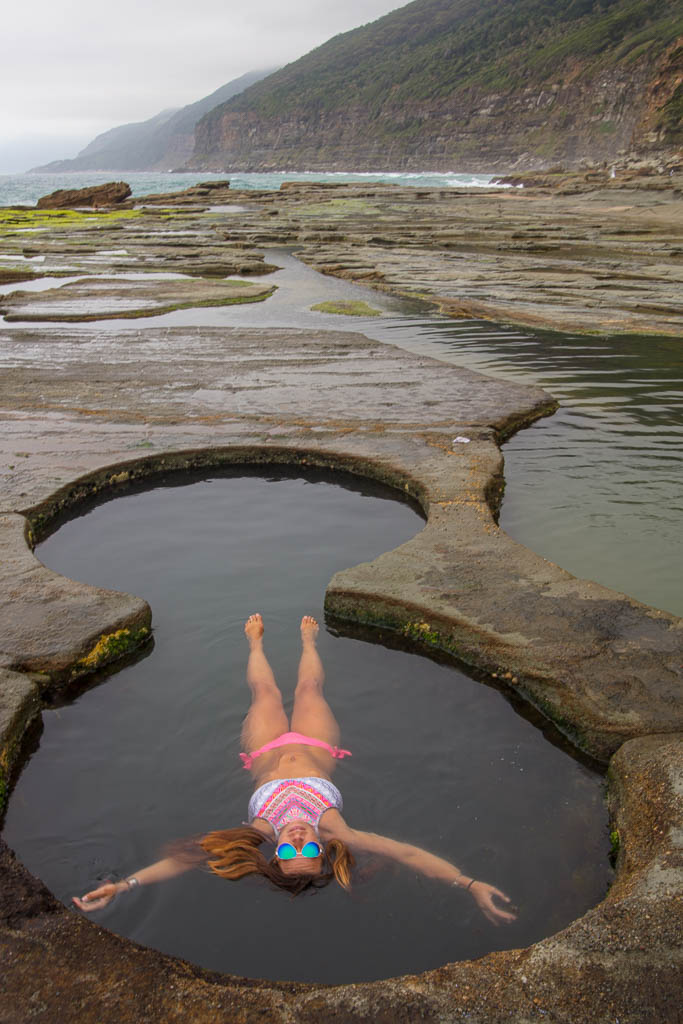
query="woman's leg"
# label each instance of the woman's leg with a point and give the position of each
(266, 719)
(312, 715)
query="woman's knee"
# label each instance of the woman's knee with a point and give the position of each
(309, 685)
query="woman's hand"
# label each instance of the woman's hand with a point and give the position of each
(98, 898)
(484, 898)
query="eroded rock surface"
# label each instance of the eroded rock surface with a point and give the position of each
(116, 298)
(51, 624)
(592, 256)
(578, 253)
(307, 377)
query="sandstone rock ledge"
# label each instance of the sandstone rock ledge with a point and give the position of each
(590, 254)
(605, 668)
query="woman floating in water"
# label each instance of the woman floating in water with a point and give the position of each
(295, 803)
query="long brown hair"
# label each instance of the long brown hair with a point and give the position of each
(234, 853)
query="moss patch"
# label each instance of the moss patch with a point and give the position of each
(346, 309)
(11, 276)
(615, 846)
(110, 647)
(13, 220)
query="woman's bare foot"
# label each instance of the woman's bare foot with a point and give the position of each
(253, 628)
(309, 629)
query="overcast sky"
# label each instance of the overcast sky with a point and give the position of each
(71, 69)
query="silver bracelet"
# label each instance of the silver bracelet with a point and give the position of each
(466, 887)
(132, 882)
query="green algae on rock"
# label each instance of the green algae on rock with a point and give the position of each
(14, 220)
(109, 648)
(342, 308)
(19, 706)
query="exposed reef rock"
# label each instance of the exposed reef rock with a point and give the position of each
(111, 194)
(568, 251)
(573, 251)
(40, 635)
(114, 298)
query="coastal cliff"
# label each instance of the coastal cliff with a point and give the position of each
(458, 84)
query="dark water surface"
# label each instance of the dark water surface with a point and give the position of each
(440, 760)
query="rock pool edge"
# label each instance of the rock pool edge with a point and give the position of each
(620, 960)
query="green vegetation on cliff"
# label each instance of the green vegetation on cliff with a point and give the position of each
(430, 48)
(436, 60)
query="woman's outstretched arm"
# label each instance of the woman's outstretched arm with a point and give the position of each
(425, 863)
(160, 871)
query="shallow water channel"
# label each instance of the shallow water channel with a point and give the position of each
(149, 756)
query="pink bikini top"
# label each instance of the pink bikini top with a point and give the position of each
(282, 801)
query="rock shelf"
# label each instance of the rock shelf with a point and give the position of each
(114, 298)
(85, 412)
(590, 256)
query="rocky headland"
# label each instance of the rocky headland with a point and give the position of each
(440, 85)
(444, 86)
(159, 143)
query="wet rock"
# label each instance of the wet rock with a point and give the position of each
(111, 194)
(302, 376)
(107, 299)
(578, 251)
(54, 625)
(602, 666)
(19, 706)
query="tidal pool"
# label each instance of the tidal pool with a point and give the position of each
(151, 754)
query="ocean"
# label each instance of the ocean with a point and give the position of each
(26, 189)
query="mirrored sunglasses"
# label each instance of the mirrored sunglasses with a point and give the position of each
(285, 851)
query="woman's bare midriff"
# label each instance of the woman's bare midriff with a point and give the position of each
(293, 761)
